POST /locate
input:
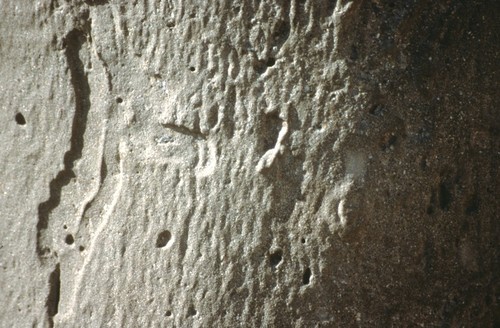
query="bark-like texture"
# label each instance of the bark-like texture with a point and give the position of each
(249, 163)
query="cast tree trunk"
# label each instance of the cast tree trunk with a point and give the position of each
(245, 163)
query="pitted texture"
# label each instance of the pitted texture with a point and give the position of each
(249, 163)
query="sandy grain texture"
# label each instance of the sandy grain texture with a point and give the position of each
(249, 163)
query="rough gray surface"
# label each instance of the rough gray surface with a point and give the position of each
(249, 163)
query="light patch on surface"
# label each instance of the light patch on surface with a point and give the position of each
(207, 159)
(268, 158)
(355, 165)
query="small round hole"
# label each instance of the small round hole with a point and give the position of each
(65, 227)
(303, 240)
(168, 313)
(81, 248)
(20, 119)
(163, 238)
(69, 239)
(192, 69)
(119, 100)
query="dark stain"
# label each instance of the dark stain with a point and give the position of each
(429, 255)
(472, 205)
(445, 197)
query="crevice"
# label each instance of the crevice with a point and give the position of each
(186, 131)
(52, 303)
(281, 31)
(275, 258)
(79, 81)
(306, 277)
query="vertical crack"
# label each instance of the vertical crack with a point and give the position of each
(52, 303)
(73, 43)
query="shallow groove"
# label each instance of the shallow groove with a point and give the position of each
(186, 131)
(73, 43)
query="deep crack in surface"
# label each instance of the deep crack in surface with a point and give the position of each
(73, 43)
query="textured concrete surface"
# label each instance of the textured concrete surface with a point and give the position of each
(249, 163)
